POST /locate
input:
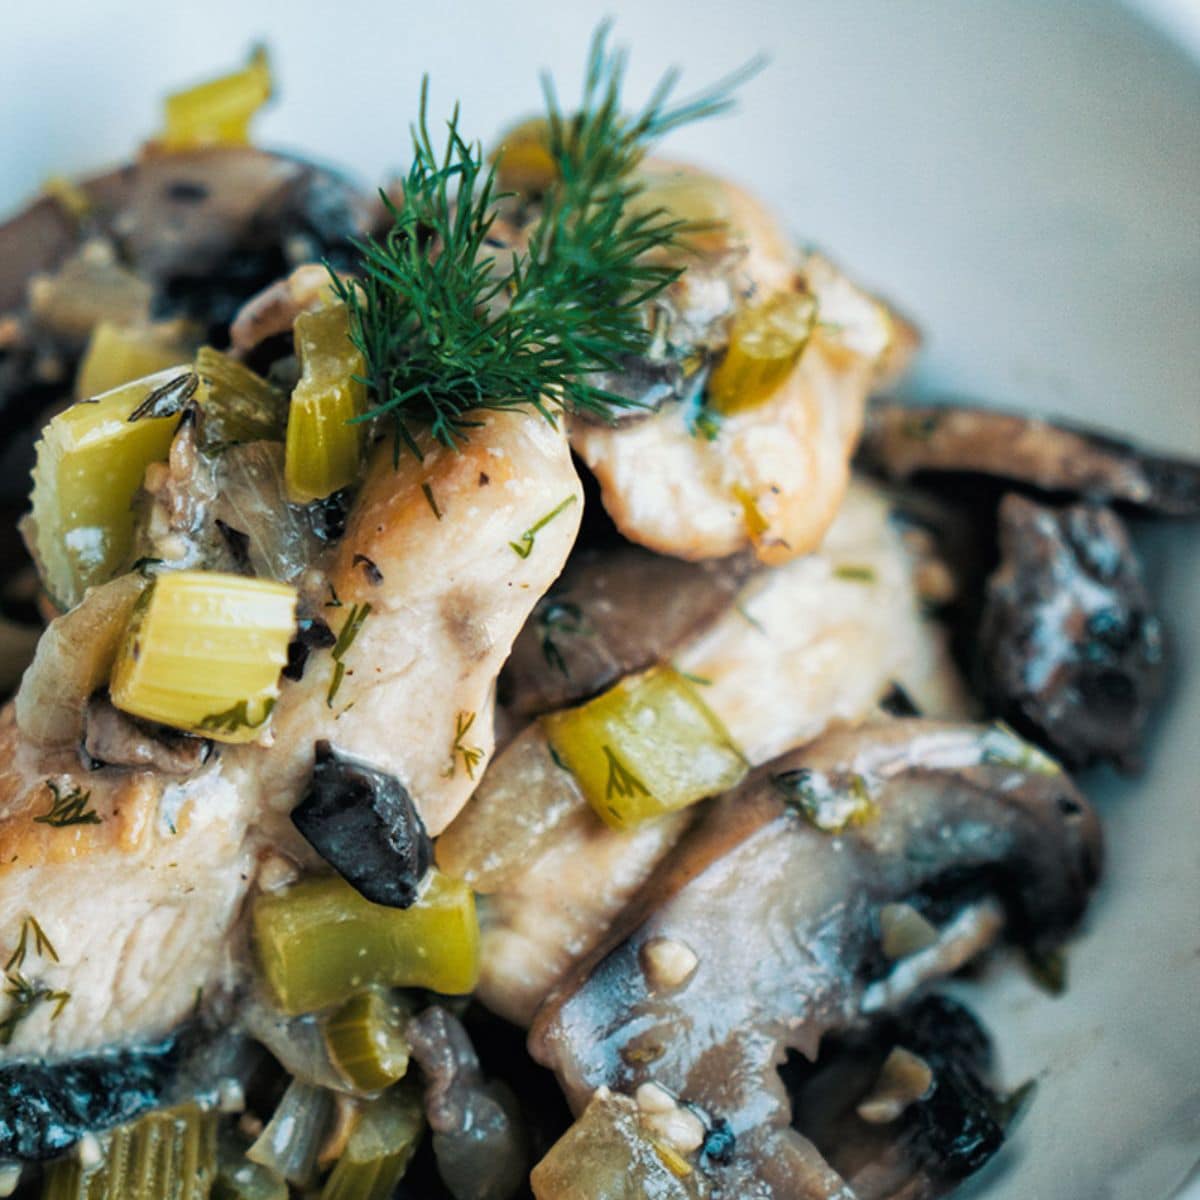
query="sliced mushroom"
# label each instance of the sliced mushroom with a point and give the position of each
(901, 1107)
(764, 896)
(1071, 649)
(477, 1137)
(191, 234)
(613, 612)
(902, 440)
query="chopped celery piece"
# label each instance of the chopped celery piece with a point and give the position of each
(203, 652)
(240, 1179)
(290, 1145)
(700, 200)
(91, 460)
(238, 405)
(647, 746)
(380, 1148)
(765, 343)
(119, 354)
(218, 113)
(324, 445)
(523, 159)
(607, 1155)
(162, 1156)
(366, 1040)
(320, 942)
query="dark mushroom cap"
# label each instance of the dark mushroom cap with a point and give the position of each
(902, 440)
(1070, 649)
(784, 920)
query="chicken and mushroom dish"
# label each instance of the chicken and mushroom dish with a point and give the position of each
(502, 699)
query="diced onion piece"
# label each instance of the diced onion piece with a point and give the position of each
(324, 446)
(320, 942)
(647, 746)
(292, 1139)
(380, 1148)
(203, 653)
(240, 1179)
(91, 460)
(366, 1041)
(74, 658)
(765, 343)
(218, 113)
(162, 1156)
(120, 354)
(237, 404)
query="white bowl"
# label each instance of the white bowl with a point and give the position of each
(1023, 177)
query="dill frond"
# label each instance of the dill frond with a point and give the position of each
(447, 331)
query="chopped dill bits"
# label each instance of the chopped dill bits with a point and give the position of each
(168, 399)
(373, 574)
(68, 808)
(560, 617)
(744, 613)
(345, 639)
(855, 573)
(25, 995)
(42, 946)
(437, 512)
(830, 803)
(622, 782)
(524, 546)
(701, 680)
(471, 756)
(237, 716)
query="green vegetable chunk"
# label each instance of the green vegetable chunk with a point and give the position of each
(162, 1156)
(320, 942)
(240, 1179)
(238, 404)
(91, 459)
(324, 441)
(607, 1155)
(647, 746)
(380, 1148)
(366, 1040)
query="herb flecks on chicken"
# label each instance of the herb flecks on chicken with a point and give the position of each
(447, 330)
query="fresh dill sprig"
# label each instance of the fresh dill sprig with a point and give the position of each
(446, 330)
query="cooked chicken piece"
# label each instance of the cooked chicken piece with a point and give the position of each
(806, 645)
(818, 641)
(448, 596)
(904, 440)
(142, 907)
(781, 889)
(549, 918)
(138, 903)
(774, 473)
